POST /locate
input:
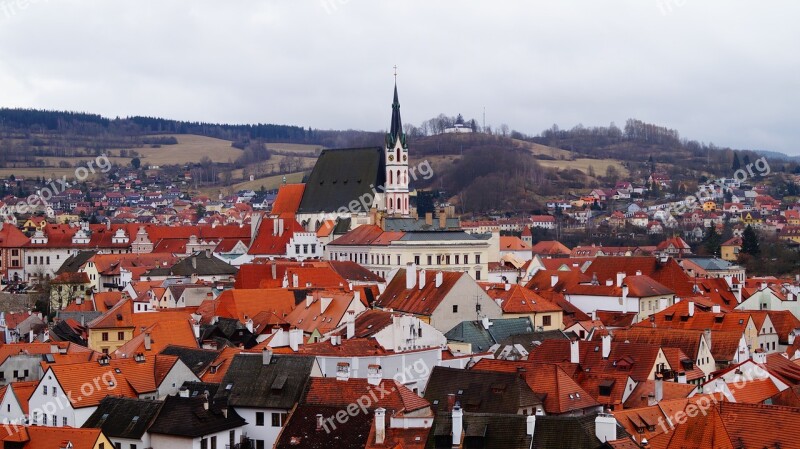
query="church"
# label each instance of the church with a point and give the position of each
(353, 186)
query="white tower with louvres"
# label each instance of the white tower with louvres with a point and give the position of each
(396, 159)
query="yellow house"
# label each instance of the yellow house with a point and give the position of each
(730, 249)
(518, 302)
(709, 206)
(751, 218)
(35, 223)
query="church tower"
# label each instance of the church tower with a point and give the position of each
(396, 158)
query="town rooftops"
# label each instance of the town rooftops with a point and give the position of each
(265, 380)
(121, 417)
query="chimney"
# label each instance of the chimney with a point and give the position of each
(530, 425)
(442, 220)
(716, 308)
(351, 324)
(194, 262)
(266, 356)
(411, 275)
(309, 300)
(429, 219)
(620, 277)
(439, 279)
(605, 427)
(183, 392)
(458, 424)
(691, 308)
(342, 371)
(324, 303)
(507, 286)
(574, 352)
(380, 425)
(374, 374)
(485, 322)
(422, 274)
(682, 377)
(148, 342)
(320, 422)
(451, 401)
(295, 280)
(274, 269)
(553, 280)
(274, 227)
(280, 226)
(606, 346)
(295, 339)
(196, 329)
(638, 272)
(659, 389)
(248, 323)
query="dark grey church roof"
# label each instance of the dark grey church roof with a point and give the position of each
(188, 417)
(482, 339)
(341, 176)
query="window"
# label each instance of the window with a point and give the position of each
(416, 260)
(214, 442)
(104, 337)
(44, 390)
(231, 439)
(477, 258)
(35, 417)
(546, 320)
(259, 444)
(457, 259)
(455, 308)
(438, 259)
(25, 373)
(16, 374)
(120, 336)
(64, 420)
(279, 419)
(203, 443)
(55, 420)
(430, 259)
(477, 275)
(55, 391)
(259, 418)
(133, 446)
(44, 419)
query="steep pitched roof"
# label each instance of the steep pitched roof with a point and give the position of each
(415, 300)
(188, 417)
(249, 382)
(288, 199)
(669, 273)
(480, 391)
(124, 417)
(343, 176)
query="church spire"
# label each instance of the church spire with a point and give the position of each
(397, 124)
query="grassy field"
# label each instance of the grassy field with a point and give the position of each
(190, 148)
(295, 147)
(538, 149)
(45, 172)
(270, 182)
(582, 164)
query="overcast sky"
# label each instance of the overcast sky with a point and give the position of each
(726, 72)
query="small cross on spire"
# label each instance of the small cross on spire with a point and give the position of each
(395, 73)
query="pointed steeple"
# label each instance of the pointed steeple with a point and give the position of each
(397, 124)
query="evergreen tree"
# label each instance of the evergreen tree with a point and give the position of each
(736, 164)
(712, 241)
(750, 242)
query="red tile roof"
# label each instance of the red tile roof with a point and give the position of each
(288, 199)
(38, 437)
(332, 392)
(669, 273)
(417, 301)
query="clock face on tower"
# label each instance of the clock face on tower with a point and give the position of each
(391, 157)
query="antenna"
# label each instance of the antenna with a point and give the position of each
(395, 73)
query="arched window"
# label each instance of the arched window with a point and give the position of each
(390, 176)
(398, 176)
(391, 203)
(398, 155)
